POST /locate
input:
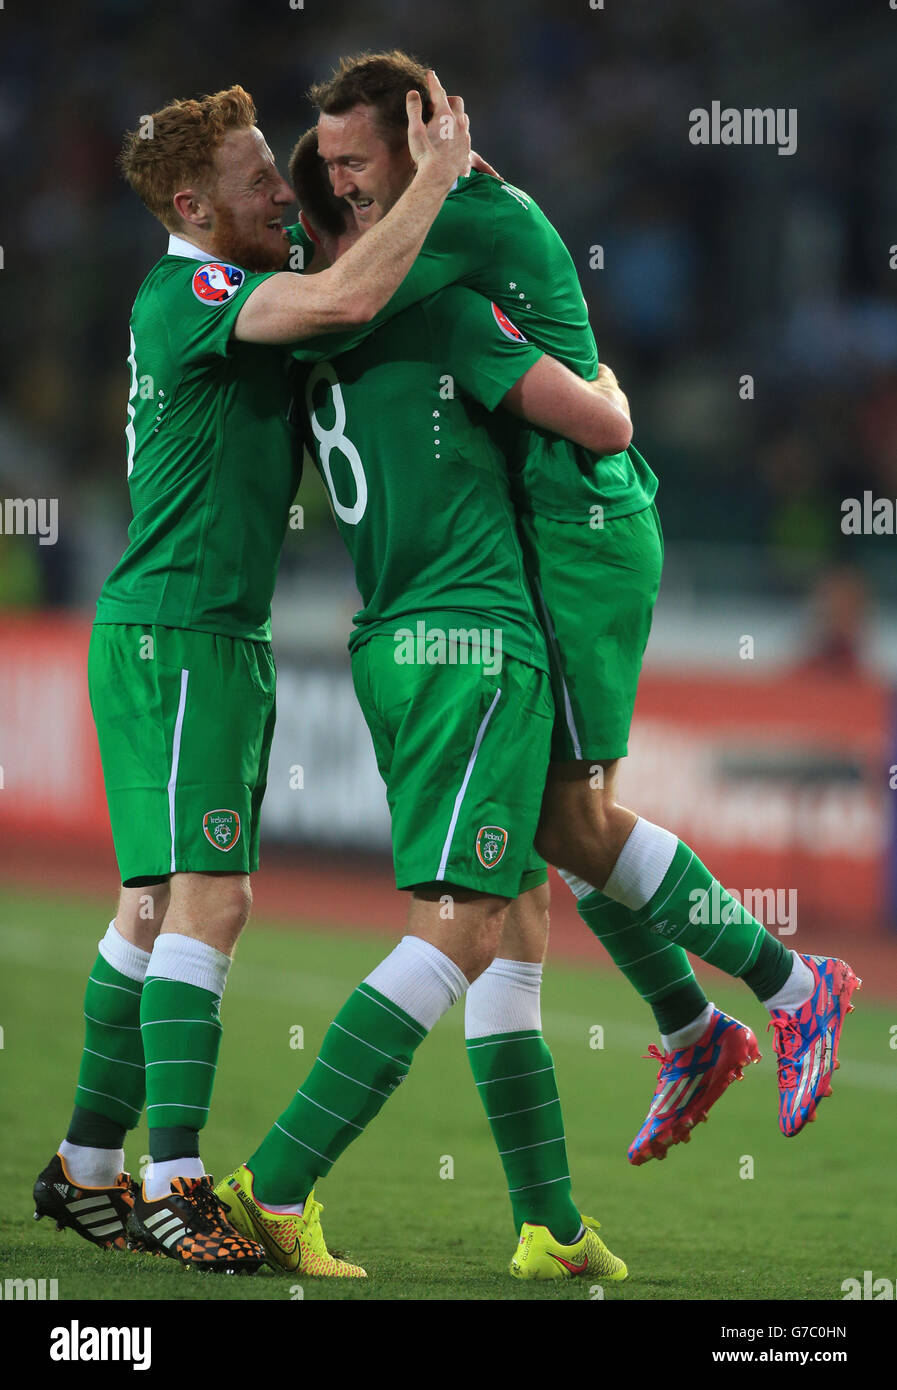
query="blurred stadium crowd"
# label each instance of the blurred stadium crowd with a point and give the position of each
(717, 261)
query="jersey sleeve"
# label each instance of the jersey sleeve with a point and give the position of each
(457, 249)
(200, 303)
(478, 345)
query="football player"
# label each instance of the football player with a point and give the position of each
(592, 539)
(180, 670)
(451, 671)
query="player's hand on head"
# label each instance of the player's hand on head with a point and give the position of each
(442, 143)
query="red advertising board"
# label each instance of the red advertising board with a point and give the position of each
(49, 764)
(778, 783)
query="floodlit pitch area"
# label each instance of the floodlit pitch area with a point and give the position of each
(689, 1228)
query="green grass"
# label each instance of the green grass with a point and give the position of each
(814, 1213)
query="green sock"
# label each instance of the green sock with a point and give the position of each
(514, 1073)
(366, 1053)
(181, 1036)
(110, 1094)
(692, 909)
(659, 971)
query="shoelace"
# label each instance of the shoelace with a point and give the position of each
(786, 1040)
(206, 1205)
(654, 1054)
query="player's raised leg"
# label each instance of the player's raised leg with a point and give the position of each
(514, 1073)
(702, 1049)
(658, 885)
(595, 668)
(84, 1187)
(657, 898)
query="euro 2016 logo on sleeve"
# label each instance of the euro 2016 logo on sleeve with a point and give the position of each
(221, 829)
(492, 842)
(509, 329)
(216, 282)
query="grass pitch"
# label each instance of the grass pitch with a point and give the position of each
(739, 1213)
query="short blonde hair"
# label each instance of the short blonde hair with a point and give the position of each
(178, 150)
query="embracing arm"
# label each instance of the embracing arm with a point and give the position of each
(287, 307)
(594, 414)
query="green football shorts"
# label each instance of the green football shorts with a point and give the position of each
(464, 756)
(184, 722)
(595, 591)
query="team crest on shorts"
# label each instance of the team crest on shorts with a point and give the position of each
(216, 282)
(492, 842)
(221, 829)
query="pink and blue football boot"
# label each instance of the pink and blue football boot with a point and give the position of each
(806, 1041)
(690, 1080)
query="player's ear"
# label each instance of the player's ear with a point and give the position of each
(189, 206)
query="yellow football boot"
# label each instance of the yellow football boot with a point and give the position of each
(540, 1256)
(292, 1243)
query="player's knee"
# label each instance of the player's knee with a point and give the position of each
(478, 959)
(565, 847)
(219, 910)
(237, 906)
(482, 946)
(579, 843)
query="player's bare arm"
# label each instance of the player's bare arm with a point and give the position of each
(287, 307)
(592, 414)
(607, 384)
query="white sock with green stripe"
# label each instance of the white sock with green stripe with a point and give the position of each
(514, 1072)
(181, 1033)
(420, 979)
(366, 1053)
(110, 1094)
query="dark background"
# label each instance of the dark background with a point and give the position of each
(718, 261)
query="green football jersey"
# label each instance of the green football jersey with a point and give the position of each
(213, 464)
(495, 239)
(401, 432)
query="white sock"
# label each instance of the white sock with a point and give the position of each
(157, 1182)
(796, 990)
(642, 865)
(129, 960)
(505, 999)
(684, 1037)
(184, 958)
(91, 1167)
(291, 1208)
(420, 979)
(423, 982)
(192, 962)
(578, 886)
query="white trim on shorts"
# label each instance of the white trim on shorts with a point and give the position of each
(446, 848)
(176, 757)
(568, 707)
